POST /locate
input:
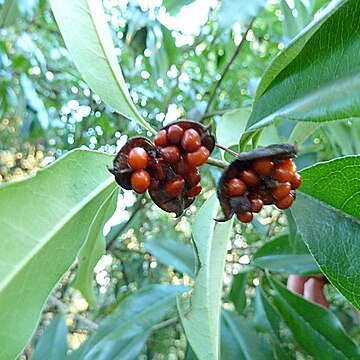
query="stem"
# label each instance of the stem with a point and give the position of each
(165, 323)
(231, 152)
(227, 67)
(218, 163)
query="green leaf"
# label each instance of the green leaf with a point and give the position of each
(93, 249)
(238, 11)
(290, 26)
(306, 85)
(282, 255)
(123, 333)
(243, 339)
(237, 293)
(315, 328)
(171, 252)
(327, 214)
(200, 311)
(52, 344)
(45, 221)
(87, 37)
(302, 131)
(9, 13)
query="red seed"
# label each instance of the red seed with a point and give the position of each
(263, 166)
(285, 202)
(140, 181)
(192, 177)
(198, 157)
(250, 177)
(175, 133)
(256, 203)
(281, 191)
(296, 181)
(284, 171)
(191, 140)
(245, 217)
(182, 167)
(236, 187)
(170, 154)
(175, 186)
(194, 191)
(138, 158)
(161, 138)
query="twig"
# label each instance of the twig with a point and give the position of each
(218, 163)
(64, 309)
(165, 323)
(227, 67)
(231, 152)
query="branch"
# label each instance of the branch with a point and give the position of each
(218, 163)
(165, 323)
(64, 309)
(228, 65)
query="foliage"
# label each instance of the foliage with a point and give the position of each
(89, 75)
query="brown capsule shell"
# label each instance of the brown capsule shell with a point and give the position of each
(207, 139)
(244, 161)
(122, 170)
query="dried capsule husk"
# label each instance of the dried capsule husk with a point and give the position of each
(231, 205)
(122, 170)
(207, 139)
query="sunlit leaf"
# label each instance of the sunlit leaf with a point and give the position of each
(45, 221)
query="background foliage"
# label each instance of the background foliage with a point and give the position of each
(122, 297)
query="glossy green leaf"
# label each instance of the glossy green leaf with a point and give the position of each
(243, 339)
(238, 11)
(123, 333)
(87, 37)
(173, 7)
(93, 249)
(45, 221)
(315, 328)
(200, 311)
(171, 252)
(327, 213)
(283, 255)
(306, 85)
(237, 293)
(52, 344)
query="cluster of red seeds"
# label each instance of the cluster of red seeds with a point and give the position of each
(167, 169)
(249, 184)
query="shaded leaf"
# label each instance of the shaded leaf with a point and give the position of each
(171, 252)
(200, 311)
(93, 249)
(45, 221)
(87, 36)
(283, 255)
(8, 14)
(329, 197)
(306, 85)
(315, 328)
(123, 333)
(237, 293)
(173, 7)
(52, 344)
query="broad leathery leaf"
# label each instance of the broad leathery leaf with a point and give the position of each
(93, 249)
(302, 131)
(172, 252)
(45, 221)
(283, 255)
(237, 293)
(9, 13)
(124, 332)
(327, 213)
(87, 36)
(315, 328)
(243, 337)
(242, 11)
(200, 310)
(52, 344)
(306, 85)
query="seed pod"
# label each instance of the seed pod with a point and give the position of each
(244, 161)
(122, 170)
